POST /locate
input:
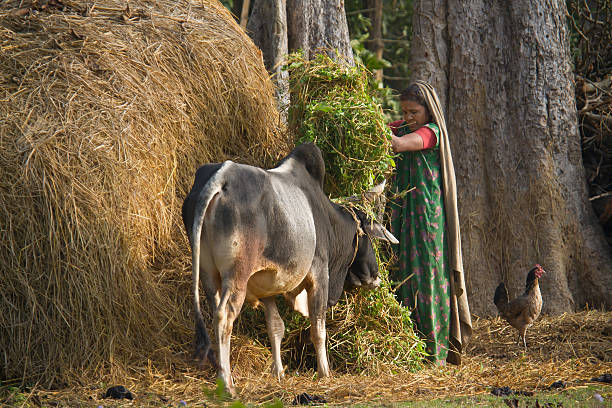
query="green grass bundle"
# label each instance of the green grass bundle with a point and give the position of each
(336, 106)
(368, 332)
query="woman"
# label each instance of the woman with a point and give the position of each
(426, 222)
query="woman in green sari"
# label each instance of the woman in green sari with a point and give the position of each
(430, 272)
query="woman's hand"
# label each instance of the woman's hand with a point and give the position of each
(407, 143)
(395, 143)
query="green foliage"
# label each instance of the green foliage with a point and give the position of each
(228, 3)
(12, 396)
(396, 32)
(338, 108)
(366, 57)
(381, 334)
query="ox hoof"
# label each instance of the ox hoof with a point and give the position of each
(278, 374)
(203, 356)
(232, 393)
(225, 389)
(324, 374)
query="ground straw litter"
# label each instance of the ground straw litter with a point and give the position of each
(571, 348)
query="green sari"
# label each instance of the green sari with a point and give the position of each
(418, 221)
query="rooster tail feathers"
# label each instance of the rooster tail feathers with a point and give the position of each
(501, 295)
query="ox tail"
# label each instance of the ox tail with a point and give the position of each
(203, 350)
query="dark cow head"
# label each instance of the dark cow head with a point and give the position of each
(363, 272)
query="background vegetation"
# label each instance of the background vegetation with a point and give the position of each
(396, 32)
(591, 44)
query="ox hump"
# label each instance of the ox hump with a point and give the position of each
(309, 156)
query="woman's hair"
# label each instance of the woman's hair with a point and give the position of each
(413, 93)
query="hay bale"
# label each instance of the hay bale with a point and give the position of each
(105, 112)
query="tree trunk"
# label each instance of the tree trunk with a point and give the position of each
(507, 85)
(237, 9)
(271, 38)
(376, 44)
(429, 46)
(316, 26)
(244, 13)
(312, 26)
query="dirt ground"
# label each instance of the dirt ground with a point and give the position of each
(571, 349)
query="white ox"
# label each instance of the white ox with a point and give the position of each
(258, 233)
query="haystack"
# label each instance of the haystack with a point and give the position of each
(106, 110)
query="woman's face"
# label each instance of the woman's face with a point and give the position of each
(415, 114)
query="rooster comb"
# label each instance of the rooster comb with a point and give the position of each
(540, 271)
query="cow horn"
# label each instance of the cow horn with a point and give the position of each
(377, 230)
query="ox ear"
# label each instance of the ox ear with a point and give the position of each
(377, 230)
(376, 198)
(375, 191)
(371, 195)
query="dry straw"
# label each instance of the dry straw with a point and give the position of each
(105, 113)
(573, 348)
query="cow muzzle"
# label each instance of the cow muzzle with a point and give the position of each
(368, 283)
(372, 283)
(352, 281)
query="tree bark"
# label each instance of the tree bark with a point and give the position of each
(279, 27)
(316, 26)
(429, 46)
(376, 44)
(268, 29)
(244, 13)
(506, 81)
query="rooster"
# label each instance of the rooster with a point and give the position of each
(525, 309)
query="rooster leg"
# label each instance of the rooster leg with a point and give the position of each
(523, 335)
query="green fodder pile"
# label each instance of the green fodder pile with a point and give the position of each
(106, 110)
(368, 333)
(336, 106)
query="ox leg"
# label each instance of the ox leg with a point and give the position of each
(227, 311)
(317, 305)
(276, 331)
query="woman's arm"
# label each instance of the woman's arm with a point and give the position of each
(422, 138)
(407, 143)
